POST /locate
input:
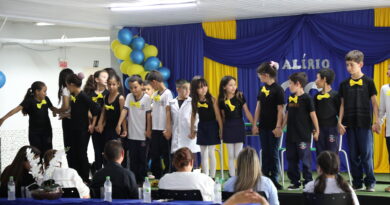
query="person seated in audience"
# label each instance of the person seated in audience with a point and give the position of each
(249, 177)
(246, 197)
(329, 181)
(66, 177)
(184, 178)
(19, 169)
(123, 181)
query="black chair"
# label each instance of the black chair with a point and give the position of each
(180, 195)
(226, 195)
(326, 199)
(70, 193)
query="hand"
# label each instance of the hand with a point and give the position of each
(255, 130)
(54, 113)
(90, 129)
(376, 127)
(342, 128)
(277, 132)
(124, 134)
(99, 128)
(167, 134)
(118, 130)
(148, 134)
(316, 134)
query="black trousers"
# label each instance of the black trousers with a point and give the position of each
(77, 154)
(41, 139)
(160, 149)
(138, 154)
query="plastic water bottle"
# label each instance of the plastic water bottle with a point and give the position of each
(147, 191)
(11, 188)
(217, 192)
(108, 190)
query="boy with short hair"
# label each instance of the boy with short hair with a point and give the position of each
(160, 144)
(327, 105)
(300, 118)
(356, 93)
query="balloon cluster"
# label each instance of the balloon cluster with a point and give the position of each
(135, 56)
(2, 79)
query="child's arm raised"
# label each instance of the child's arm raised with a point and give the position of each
(255, 129)
(218, 116)
(341, 115)
(10, 113)
(314, 119)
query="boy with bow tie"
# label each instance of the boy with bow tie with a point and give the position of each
(300, 118)
(327, 105)
(356, 93)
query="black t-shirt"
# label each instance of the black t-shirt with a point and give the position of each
(206, 111)
(180, 102)
(80, 105)
(327, 108)
(271, 96)
(299, 123)
(233, 112)
(357, 109)
(112, 112)
(38, 112)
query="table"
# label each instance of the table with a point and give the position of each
(71, 201)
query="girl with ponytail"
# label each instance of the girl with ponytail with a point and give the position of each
(36, 104)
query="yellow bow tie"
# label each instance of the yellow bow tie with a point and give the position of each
(229, 104)
(95, 99)
(352, 82)
(388, 93)
(135, 104)
(320, 97)
(157, 98)
(39, 105)
(265, 91)
(293, 99)
(202, 105)
(109, 107)
(73, 98)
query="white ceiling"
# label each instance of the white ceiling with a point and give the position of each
(95, 13)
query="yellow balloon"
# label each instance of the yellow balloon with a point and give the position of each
(122, 52)
(114, 44)
(149, 51)
(124, 66)
(143, 74)
(135, 69)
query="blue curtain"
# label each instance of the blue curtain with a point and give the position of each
(180, 48)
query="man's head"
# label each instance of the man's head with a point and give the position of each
(113, 151)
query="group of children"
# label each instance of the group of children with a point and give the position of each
(153, 125)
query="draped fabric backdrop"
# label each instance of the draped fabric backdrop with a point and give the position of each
(303, 43)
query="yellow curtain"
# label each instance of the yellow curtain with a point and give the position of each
(381, 162)
(214, 71)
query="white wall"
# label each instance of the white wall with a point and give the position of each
(23, 66)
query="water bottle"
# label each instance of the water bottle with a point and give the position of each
(11, 188)
(217, 192)
(108, 190)
(147, 191)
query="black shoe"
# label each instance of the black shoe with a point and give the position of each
(358, 188)
(278, 186)
(293, 187)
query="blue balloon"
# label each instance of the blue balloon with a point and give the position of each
(152, 63)
(137, 56)
(138, 43)
(125, 36)
(2, 79)
(165, 72)
(127, 86)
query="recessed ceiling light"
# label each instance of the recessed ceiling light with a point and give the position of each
(44, 24)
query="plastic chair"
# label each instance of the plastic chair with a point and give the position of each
(226, 195)
(180, 195)
(326, 199)
(70, 193)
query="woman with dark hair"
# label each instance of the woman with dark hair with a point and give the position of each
(184, 178)
(19, 169)
(329, 181)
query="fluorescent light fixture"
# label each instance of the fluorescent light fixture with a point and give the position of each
(153, 4)
(44, 24)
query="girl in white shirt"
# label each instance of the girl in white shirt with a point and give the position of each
(66, 177)
(329, 181)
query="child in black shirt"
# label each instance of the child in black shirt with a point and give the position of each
(300, 118)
